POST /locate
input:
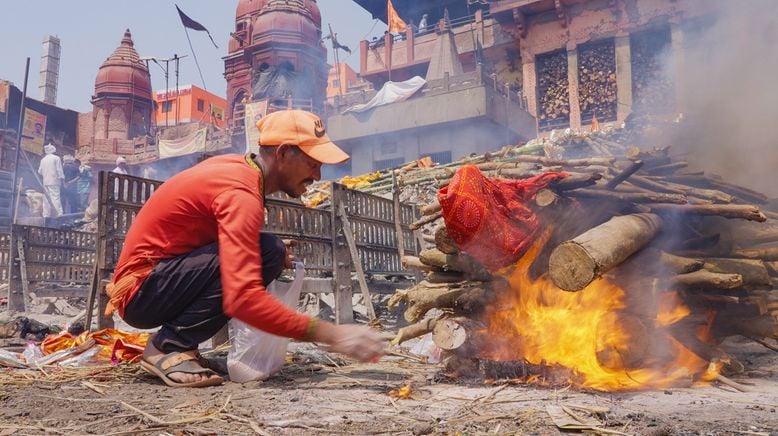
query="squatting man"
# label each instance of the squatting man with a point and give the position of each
(194, 257)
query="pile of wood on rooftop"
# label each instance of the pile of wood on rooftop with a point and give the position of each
(637, 217)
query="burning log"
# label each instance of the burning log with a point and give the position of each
(453, 333)
(613, 351)
(576, 263)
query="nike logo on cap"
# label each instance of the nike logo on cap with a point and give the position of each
(318, 129)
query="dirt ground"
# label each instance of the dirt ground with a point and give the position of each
(309, 398)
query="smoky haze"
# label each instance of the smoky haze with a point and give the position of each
(729, 93)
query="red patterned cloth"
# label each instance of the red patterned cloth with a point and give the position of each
(488, 218)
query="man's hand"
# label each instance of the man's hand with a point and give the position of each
(290, 257)
(357, 341)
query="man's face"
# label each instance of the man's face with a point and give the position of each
(299, 170)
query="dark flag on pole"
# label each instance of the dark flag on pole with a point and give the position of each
(194, 25)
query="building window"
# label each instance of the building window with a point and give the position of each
(387, 163)
(388, 148)
(441, 157)
(335, 83)
(200, 105)
(167, 106)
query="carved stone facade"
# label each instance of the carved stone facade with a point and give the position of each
(275, 36)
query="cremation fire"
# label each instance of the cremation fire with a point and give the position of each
(591, 333)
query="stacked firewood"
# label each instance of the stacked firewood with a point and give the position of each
(597, 81)
(553, 89)
(640, 218)
(651, 88)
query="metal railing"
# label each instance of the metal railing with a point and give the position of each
(48, 262)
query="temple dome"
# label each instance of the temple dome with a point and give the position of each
(124, 72)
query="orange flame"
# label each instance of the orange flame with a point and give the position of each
(590, 333)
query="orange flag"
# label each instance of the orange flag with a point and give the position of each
(396, 24)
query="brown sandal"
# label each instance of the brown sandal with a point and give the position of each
(186, 363)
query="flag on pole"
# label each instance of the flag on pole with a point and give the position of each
(194, 25)
(396, 24)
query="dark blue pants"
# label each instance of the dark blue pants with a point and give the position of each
(184, 295)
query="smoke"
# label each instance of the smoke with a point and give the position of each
(729, 94)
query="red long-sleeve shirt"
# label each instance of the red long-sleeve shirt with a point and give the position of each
(220, 200)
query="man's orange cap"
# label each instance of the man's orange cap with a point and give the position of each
(303, 129)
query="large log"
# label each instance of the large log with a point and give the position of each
(425, 296)
(703, 279)
(443, 241)
(678, 264)
(414, 330)
(445, 277)
(749, 234)
(742, 211)
(757, 327)
(766, 253)
(413, 262)
(754, 272)
(577, 262)
(455, 333)
(454, 262)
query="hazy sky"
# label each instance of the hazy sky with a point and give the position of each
(90, 30)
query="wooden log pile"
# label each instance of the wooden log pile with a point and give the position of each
(652, 91)
(597, 81)
(553, 89)
(639, 218)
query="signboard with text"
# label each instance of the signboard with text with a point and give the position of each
(253, 112)
(33, 131)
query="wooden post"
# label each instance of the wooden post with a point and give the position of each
(352, 246)
(623, 76)
(20, 247)
(341, 268)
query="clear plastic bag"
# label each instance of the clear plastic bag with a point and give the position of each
(254, 354)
